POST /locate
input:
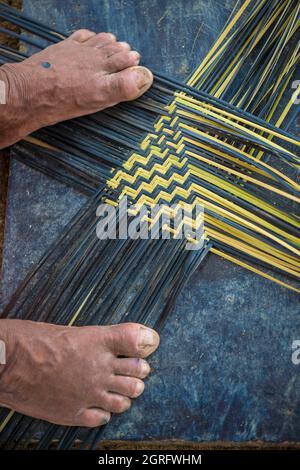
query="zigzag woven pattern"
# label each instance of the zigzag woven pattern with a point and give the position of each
(220, 141)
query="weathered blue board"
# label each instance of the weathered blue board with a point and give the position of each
(224, 368)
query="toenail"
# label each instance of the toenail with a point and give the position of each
(139, 388)
(106, 420)
(143, 77)
(145, 368)
(124, 44)
(135, 55)
(112, 36)
(146, 338)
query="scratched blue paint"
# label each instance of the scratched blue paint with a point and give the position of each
(224, 369)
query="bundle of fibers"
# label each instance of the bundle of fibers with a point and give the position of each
(265, 25)
(181, 143)
(105, 140)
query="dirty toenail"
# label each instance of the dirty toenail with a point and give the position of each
(145, 368)
(139, 388)
(146, 338)
(106, 420)
(143, 77)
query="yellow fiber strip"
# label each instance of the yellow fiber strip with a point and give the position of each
(250, 239)
(242, 176)
(271, 260)
(6, 420)
(219, 41)
(217, 111)
(251, 268)
(40, 143)
(231, 147)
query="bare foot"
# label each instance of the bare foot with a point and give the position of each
(73, 375)
(86, 73)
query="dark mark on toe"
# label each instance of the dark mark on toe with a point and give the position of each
(46, 65)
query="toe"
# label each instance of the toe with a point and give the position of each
(127, 386)
(115, 403)
(122, 61)
(114, 48)
(132, 367)
(126, 85)
(101, 40)
(82, 35)
(93, 417)
(131, 339)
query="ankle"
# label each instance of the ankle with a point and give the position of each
(18, 114)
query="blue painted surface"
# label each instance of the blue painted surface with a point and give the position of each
(224, 369)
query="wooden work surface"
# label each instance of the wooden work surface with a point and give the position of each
(223, 371)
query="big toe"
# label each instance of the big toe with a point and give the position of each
(128, 84)
(132, 340)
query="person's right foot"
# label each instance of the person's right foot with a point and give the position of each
(75, 376)
(83, 74)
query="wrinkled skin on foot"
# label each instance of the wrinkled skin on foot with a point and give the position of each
(73, 375)
(85, 73)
